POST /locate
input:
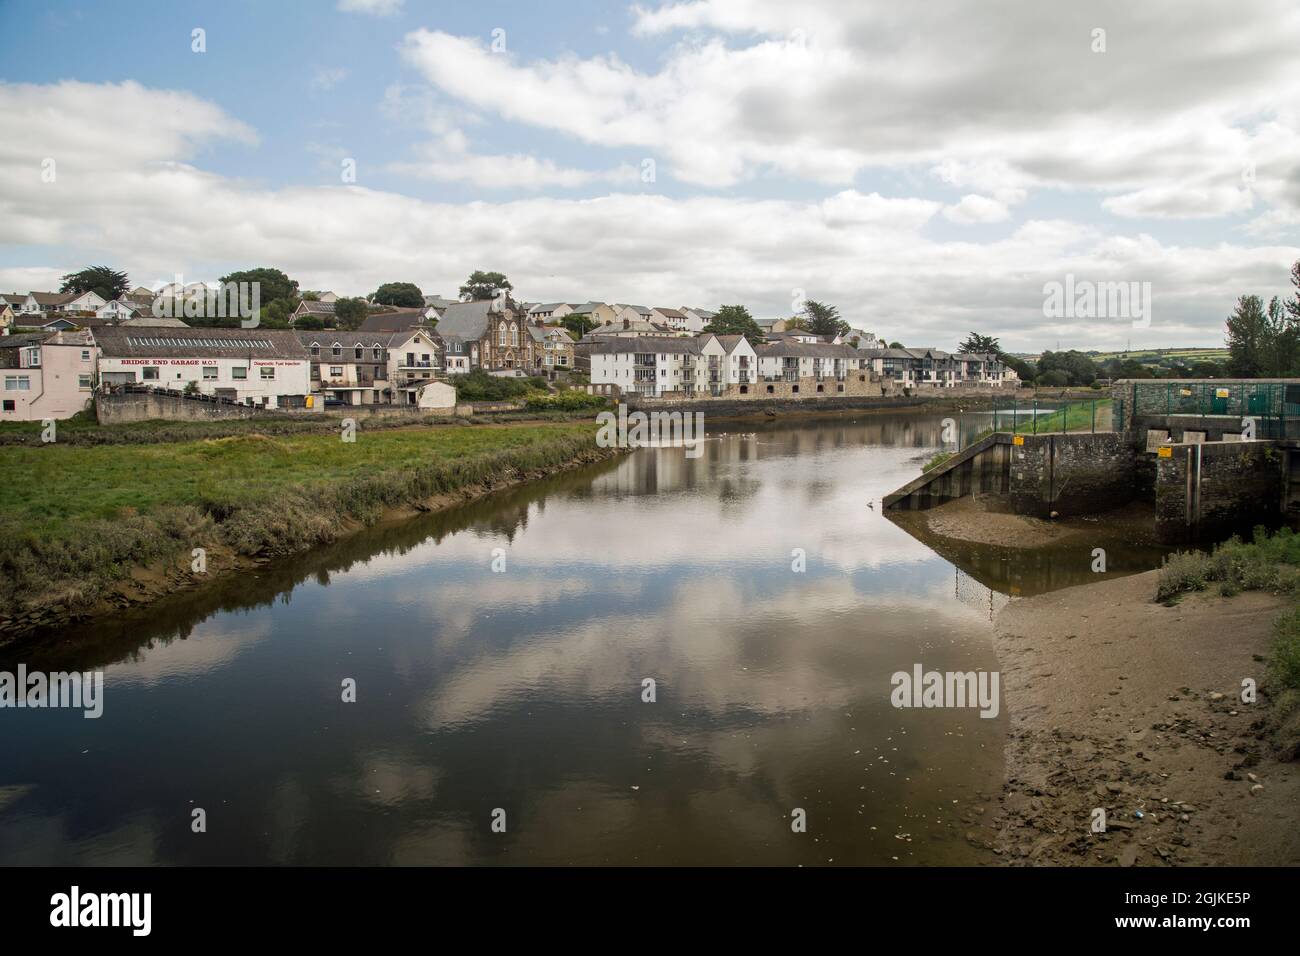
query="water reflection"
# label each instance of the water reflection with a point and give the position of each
(522, 690)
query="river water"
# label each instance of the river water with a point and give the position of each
(514, 698)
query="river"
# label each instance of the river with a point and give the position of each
(500, 654)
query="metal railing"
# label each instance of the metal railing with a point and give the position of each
(1042, 416)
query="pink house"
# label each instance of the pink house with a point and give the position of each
(46, 375)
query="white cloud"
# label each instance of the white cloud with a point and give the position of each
(147, 208)
(976, 209)
(326, 78)
(378, 8)
(450, 159)
(1001, 97)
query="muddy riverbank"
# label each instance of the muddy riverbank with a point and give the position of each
(1134, 707)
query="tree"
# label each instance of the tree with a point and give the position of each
(796, 324)
(1248, 335)
(350, 313)
(1077, 367)
(824, 319)
(1055, 378)
(1026, 370)
(735, 320)
(1282, 354)
(309, 323)
(485, 285)
(980, 343)
(895, 345)
(405, 295)
(272, 284)
(578, 325)
(101, 280)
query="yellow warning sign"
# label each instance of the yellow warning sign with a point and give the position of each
(1165, 452)
(310, 400)
(1018, 440)
(1220, 393)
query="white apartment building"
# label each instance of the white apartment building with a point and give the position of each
(268, 368)
(647, 366)
(789, 360)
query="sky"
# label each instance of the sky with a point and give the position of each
(928, 168)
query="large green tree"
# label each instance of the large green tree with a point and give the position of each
(735, 320)
(980, 343)
(1248, 335)
(1077, 368)
(107, 283)
(406, 295)
(272, 284)
(485, 285)
(350, 313)
(823, 319)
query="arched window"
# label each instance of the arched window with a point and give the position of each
(514, 335)
(501, 334)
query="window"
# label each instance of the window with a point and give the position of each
(149, 373)
(338, 350)
(315, 350)
(267, 372)
(377, 350)
(356, 353)
(501, 334)
(9, 405)
(17, 383)
(239, 373)
(85, 355)
(514, 335)
(209, 373)
(336, 371)
(34, 358)
(83, 381)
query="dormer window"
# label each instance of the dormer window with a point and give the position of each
(338, 350)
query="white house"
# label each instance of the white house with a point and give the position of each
(677, 319)
(549, 311)
(269, 368)
(728, 360)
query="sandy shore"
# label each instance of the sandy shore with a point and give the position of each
(1114, 703)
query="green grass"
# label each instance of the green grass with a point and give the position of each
(74, 518)
(1266, 563)
(1075, 417)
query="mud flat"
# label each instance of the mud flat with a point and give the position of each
(1121, 703)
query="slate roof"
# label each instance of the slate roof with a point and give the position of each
(612, 346)
(398, 321)
(119, 342)
(467, 321)
(786, 348)
(326, 338)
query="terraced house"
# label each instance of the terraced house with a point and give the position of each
(935, 368)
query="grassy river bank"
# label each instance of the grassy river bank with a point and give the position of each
(87, 527)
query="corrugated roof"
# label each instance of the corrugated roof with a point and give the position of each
(119, 342)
